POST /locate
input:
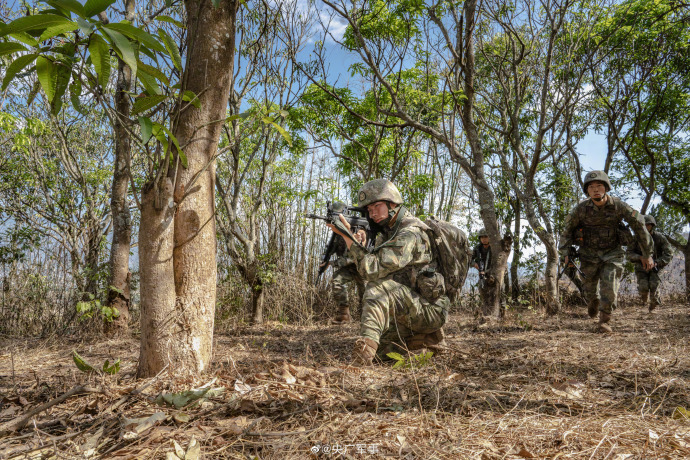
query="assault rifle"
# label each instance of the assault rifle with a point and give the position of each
(573, 255)
(333, 213)
(482, 274)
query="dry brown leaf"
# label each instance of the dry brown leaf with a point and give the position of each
(235, 425)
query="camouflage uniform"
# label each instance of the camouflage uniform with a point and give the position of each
(345, 275)
(648, 281)
(482, 256)
(601, 255)
(392, 309)
(397, 271)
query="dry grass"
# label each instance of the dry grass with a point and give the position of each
(528, 387)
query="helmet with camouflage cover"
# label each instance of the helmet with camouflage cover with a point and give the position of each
(596, 176)
(379, 190)
(649, 219)
(482, 232)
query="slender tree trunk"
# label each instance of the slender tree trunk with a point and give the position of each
(189, 296)
(515, 266)
(686, 253)
(93, 252)
(118, 282)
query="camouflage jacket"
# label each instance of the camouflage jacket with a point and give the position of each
(398, 251)
(482, 256)
(601, 226)
(662, 250)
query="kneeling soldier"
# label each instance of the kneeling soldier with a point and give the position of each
(404, 304)
(601, 255)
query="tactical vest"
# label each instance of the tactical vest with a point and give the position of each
(408, 275)
(600, 226)
(658, 250)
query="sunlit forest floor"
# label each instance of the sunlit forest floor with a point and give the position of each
(528, 387)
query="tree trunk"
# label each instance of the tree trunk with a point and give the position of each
(118, 282)
(190, 288)
(550, 277)
(514, 267)
(257, 304)
(686, 253)
(160, 325)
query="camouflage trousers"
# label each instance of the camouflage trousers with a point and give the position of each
(392, 313)
(343, 278)
(602, 271)
(648, 282)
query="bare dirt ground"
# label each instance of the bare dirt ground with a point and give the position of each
(529, 387)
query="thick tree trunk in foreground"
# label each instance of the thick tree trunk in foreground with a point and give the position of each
(181, 324)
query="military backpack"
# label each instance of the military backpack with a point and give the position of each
(451, 251)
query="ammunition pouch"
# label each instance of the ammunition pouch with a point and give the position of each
(430, 285)
(601, 237)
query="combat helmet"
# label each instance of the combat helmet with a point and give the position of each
(649, 219)
(379, 190)
(482, 232)
(593, 176)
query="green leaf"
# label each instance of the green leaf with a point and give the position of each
(146, 129)
(64, 74)
(85, 26)
(81, 364)
(183, 157)
(123, 48)
(190, 96)
(100, 57)
(681, 413)
(75, 93)
(171, 21)
(171, 46)
(396, 356)
(16, 67)
(9, 48)
(142, 104)
(136, 34)
(68, 5)
(154, 72)
(54, 31)
(34, 91)
(93, 7)
(150, 83)
(280, 129)
(38, 21)
(111, 369)
(25, 38)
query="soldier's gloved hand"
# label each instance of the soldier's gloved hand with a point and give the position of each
(647, 263)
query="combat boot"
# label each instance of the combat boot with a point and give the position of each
(654, 302)
(604, 319)
(433, 341)
(644, 297)
(593, 308)
(343, 315)
(364, 352)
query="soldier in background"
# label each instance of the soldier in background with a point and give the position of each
(481, 256)
(648, 280)
(601, 254)
(344, 276)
